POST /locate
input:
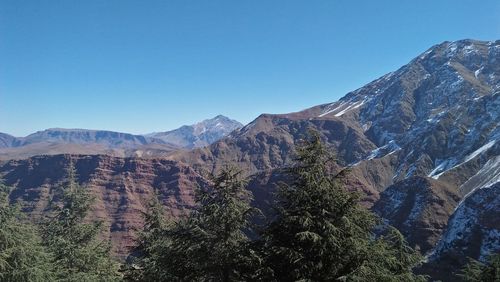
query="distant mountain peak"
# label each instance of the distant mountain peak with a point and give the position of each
(199, 134)
(220, 118)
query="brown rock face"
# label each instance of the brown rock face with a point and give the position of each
(121, 186)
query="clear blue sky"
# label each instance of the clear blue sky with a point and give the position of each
(142, 66)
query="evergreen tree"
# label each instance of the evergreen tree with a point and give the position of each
(209, 245)
(477, 272)
(78, 252)
(152, 244)
(321, 233)
(22, 256)
(390, 259)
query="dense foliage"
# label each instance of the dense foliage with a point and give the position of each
(22, 256)
(209, 245)
(78, 252)
(321, 233)
(477, 272)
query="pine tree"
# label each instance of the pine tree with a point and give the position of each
(78, 252)
(152, 244)
(22, 256)
(321, 233)
(209, 245)
(390, 259)
(477, 272)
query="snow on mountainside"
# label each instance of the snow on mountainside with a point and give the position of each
(440, 114)
(424, 136)
(473, 230)
(436, 115)
(407, 204)
(442, 108)
(200, 134)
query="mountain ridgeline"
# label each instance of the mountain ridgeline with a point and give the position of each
(91, 142)
(421, 144)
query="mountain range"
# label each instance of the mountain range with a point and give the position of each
(91, 142)
(421, 144)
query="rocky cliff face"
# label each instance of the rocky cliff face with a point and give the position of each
(121, 186)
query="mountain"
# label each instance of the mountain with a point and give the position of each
(436, 112)
(7, 140)
(417, 140)
(108, 139)
(200, 134)
(79, 141)
(93, 142)
(421, 144)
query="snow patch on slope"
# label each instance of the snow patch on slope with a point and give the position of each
(447, 165)
(388, 149)
(343, 107)
(441, 168)
(487, 176)
(482, 149)
(459, 228)
(350, 107)
(474, 217)
(477, 72)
